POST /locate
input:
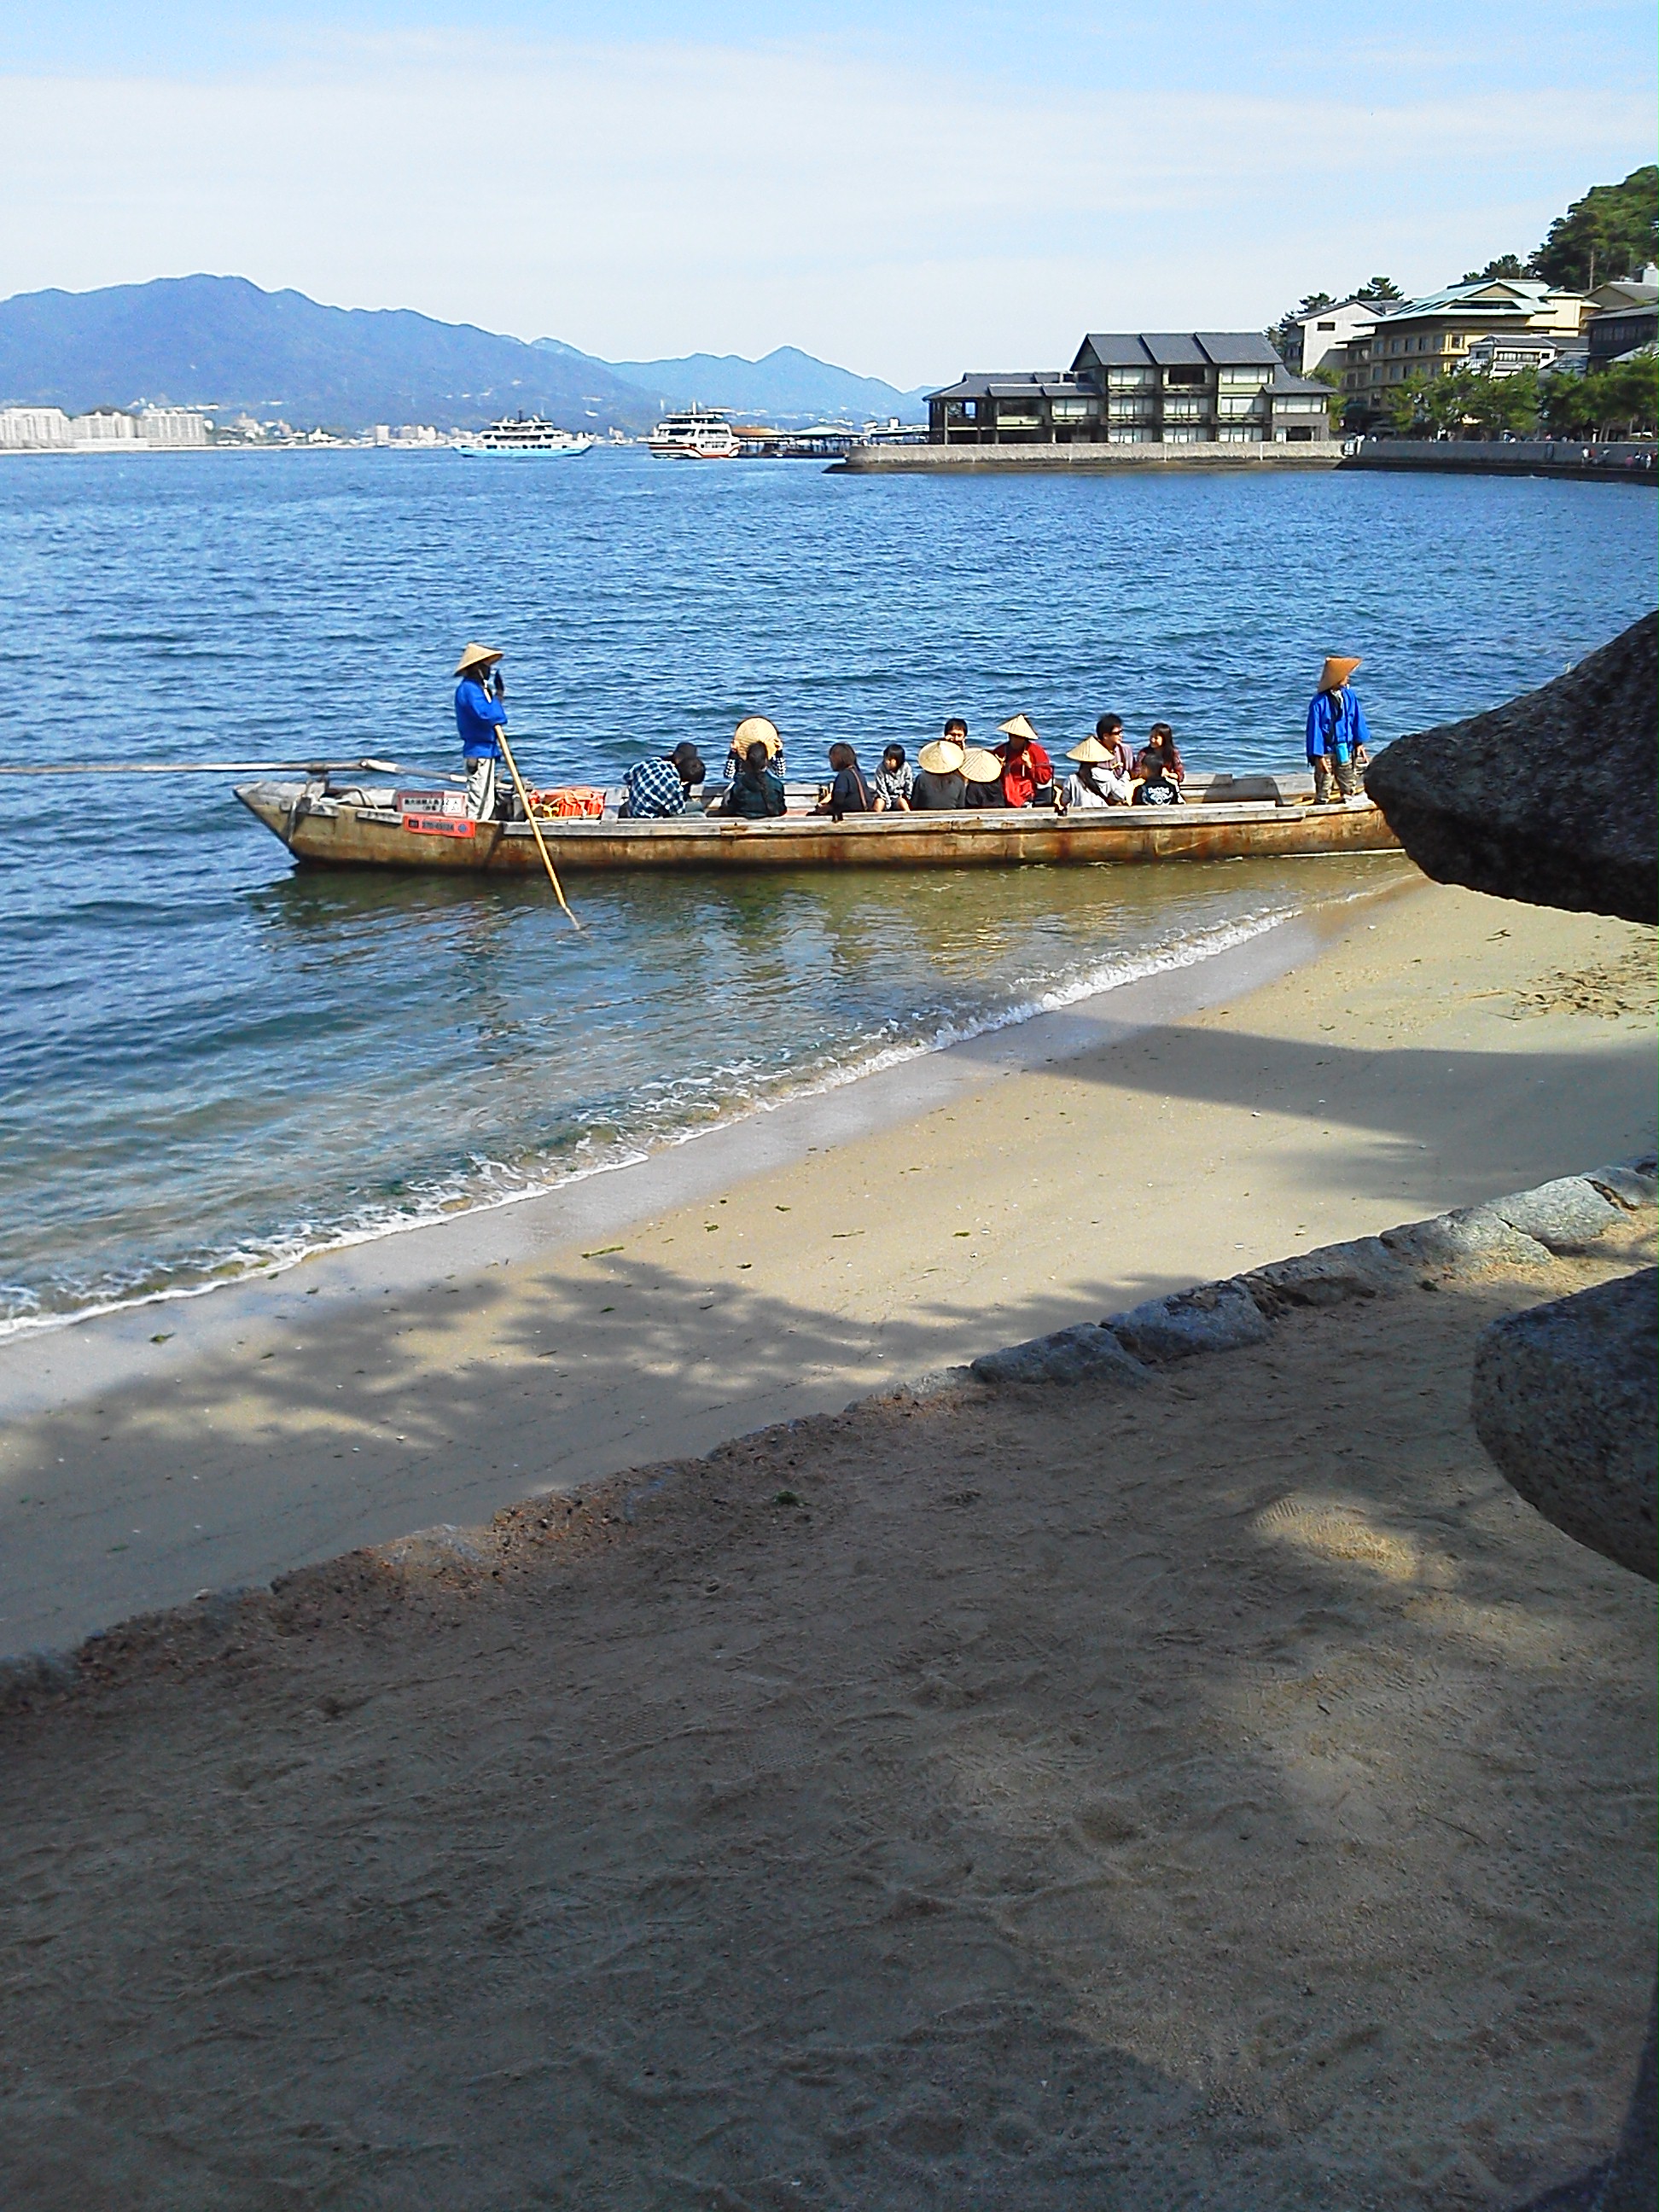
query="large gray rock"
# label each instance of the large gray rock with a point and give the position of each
(1214, 1318)
(1565, 1398)
(1330, 1275)
(1473, 1240)
(1553, 798)
(1566, 1215)
(1086, 1353)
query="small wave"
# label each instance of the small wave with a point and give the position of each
(489, 1184)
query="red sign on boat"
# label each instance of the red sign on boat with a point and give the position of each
(440, 825)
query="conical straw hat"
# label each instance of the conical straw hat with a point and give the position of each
(944, 756)
(1089, 750)
(1019, 727)
(476, 656)
(1337, 671)
(980, 766)
(756, 729)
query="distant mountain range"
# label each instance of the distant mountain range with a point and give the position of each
(784, 384)
(222, 342)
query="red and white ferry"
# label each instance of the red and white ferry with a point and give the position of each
(695, 434)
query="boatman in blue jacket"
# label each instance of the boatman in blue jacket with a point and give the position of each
(479, 714)
(1337, 740)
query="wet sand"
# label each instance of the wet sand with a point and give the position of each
(1050, 1174)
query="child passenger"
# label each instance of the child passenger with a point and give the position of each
(891, 785)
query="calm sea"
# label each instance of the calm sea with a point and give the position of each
(213, 1061)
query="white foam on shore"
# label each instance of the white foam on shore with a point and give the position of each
(289, 1250)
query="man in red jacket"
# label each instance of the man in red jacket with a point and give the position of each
(1028, 777)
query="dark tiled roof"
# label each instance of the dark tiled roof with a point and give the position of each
(1232, 348)
(1284, 381)
(1174, 349)
(1114, 349)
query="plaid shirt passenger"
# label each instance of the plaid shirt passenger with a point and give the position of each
(654, 788)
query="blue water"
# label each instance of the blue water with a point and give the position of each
(213, 1061)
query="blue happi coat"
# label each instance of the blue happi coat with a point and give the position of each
(1336, 726)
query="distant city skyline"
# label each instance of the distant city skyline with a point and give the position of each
(908, 191)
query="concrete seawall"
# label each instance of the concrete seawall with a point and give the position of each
(1628, 461)
(994, 460)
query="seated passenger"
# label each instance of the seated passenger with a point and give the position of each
(982, 772)
(659, 788)
(1160, 739)
(1028, 780)
(939, 783)
(1096, 783)
(893, 781)
(1154, 784)
(1108, 728)
(754, 729)
(849, 794)
(756, 790)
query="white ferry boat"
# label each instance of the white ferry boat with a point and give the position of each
(695, 434)
(525, 437)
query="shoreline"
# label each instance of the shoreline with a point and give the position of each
(1151, 1004)
(1334, 1076)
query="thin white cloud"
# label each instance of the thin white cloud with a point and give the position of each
(648, 199)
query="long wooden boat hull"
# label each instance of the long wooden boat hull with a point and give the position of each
(335, 832)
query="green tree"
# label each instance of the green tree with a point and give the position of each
(1506, 264)
(1407, 404)
(1379, 288)
(1637, 391)
(1336, 404)
(1611, 232)
(1499, 404)
(1564, 405)
(1447, 399)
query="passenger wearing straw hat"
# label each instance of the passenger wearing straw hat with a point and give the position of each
(1338, 739)
(939, 785)
(753, 729)
(1098, 781)
(982, 771)
(1028, 777)
(479, 714)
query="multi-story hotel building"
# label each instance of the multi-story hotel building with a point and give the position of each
(1427, 337)
(1157, 388)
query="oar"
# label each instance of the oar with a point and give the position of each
(535, 826)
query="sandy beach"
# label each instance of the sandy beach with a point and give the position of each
(1429, 1048)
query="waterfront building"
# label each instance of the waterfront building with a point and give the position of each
(172, 426)
(1427, 337)
(1159, 388)
(1327, 330)
(32, 430)
(1625, 318)
(1506, 352)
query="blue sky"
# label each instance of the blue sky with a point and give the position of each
(909, 189)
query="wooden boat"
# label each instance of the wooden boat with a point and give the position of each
(1225, 818)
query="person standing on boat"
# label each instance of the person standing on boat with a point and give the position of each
(480, 713)
(1338, 739)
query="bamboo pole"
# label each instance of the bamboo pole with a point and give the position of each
(198, 768)
(535, 826)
